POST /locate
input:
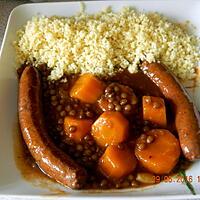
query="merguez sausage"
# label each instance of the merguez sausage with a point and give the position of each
(186, 115)
(51, 160)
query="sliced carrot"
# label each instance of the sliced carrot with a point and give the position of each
(87, 88)
(162, 154)
(154, 110)
(117, 162)
(77, 129)
(110, 128)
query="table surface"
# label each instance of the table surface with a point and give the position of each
(6, 7)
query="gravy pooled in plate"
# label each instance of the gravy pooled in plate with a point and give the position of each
(93, 132)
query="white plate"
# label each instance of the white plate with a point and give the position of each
(11, 182)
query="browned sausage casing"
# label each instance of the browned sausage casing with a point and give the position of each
(186, 115)
(51, 160)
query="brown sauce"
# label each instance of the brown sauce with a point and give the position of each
(57, 104)
(24, 160)
(139, 82)
(28, 168)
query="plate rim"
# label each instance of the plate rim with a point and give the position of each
(178, 196)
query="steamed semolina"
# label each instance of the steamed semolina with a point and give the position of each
(106, 42)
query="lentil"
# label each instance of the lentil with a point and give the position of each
(53, 98)
(117, 185)
(87, 105)
(81, 114)
(60, 121)
(130, 177)
(150, 139)
(62, 101)
(111, 95)
(59, 108)
(89, 114)
(94, 156)
(54, 103)
(72, 129)
(111, 99)
(116, 89)
(111, 106)
(87, 152)
(76, 105)
(123, 102)
(108, 90)
(79, 147)
(103, 183)
(134, 183)
(118, 108)
(127, 108)
(87, 137)
(124, 95)
(72, 113)
(68, 108)
(59, 128)
(52, 92)
(115, 102)
(63, 113)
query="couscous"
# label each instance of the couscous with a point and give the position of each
(105, 42)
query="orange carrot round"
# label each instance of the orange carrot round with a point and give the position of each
(117, 162)
(87, 88)
(160, 156)
(77, 129)
(154, 110)
(110, 128)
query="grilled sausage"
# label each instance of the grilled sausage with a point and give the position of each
(186, 114)
(51, 160)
